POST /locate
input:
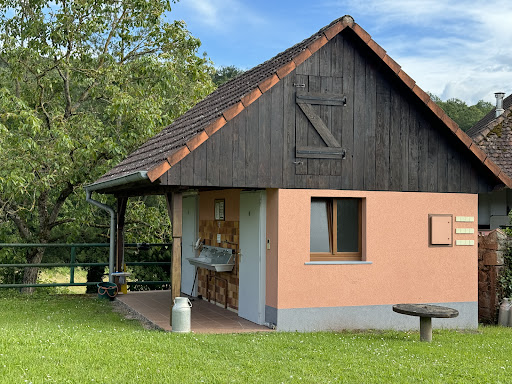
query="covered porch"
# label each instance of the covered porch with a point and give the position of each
(205, 317)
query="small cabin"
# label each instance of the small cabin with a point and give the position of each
(339, 186)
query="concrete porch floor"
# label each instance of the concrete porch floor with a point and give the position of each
(205, 317)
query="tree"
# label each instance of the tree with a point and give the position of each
(223, 74)
(82, 84)
(465, 116)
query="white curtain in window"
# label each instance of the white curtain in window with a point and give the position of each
(319, 232)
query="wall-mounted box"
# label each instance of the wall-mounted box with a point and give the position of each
(441, 230)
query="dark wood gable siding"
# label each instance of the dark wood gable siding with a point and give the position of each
(392, 141)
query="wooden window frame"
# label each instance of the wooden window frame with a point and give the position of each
(332, 223)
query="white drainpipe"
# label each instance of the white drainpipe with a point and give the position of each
(499, 103)
(112, 247)
(127, 179)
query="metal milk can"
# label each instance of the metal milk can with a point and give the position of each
(181, 315)
(503, 314)
(510, 314)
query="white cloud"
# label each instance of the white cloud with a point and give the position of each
(451, 48)
(223, 16)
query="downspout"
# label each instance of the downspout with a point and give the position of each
(118, 181)
(112, 231)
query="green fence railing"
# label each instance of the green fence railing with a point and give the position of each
(74, 264)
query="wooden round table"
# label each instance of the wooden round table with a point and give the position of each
(425, 312)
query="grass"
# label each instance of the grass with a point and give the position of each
(78, 339)
(61, 275)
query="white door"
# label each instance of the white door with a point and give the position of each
(190, 227)
(251, 295)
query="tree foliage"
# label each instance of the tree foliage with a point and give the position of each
(223, 74)
(82, 84)
(464, 115)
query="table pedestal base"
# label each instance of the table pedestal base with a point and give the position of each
(426, 329)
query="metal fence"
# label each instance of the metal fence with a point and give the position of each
(73, 264)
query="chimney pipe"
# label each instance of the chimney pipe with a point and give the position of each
(499, 103)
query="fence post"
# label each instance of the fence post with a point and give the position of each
(72, 266)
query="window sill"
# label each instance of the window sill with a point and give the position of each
(337, 262)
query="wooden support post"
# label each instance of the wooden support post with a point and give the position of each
(174, 207)
(121, 211)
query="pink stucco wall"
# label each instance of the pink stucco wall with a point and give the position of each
(404, 268)
(271, 264)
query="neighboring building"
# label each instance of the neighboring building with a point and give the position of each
(341, 185)
(493, 134)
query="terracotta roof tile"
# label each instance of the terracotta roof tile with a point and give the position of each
(268, 83)
(301, 57)
(178, 155)
(197, 140)
(215, 126)
(421, 94)
(478, 152)
(333, 30)
(450, 123)
(506, 179)
(436, 109)
(251, 97)
(492, 166)
(317, 44)
(406, 79)
(157, 171)
(363, 35)
(464, 137)
(286, 69)
(377, 49)
(232, 111)
(391, 64)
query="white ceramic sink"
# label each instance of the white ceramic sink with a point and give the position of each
(206, 262)
(214, 259)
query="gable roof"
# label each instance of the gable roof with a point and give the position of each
(494, 136)
(189, 131)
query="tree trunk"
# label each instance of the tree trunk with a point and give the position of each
(30, 273)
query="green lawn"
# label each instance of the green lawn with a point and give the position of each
(78, 339)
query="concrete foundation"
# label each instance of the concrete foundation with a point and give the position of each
(366, 317)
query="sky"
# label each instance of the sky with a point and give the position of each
(451, 48)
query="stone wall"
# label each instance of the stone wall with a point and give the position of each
(491, 249)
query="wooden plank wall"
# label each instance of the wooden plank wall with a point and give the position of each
(392, 142)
